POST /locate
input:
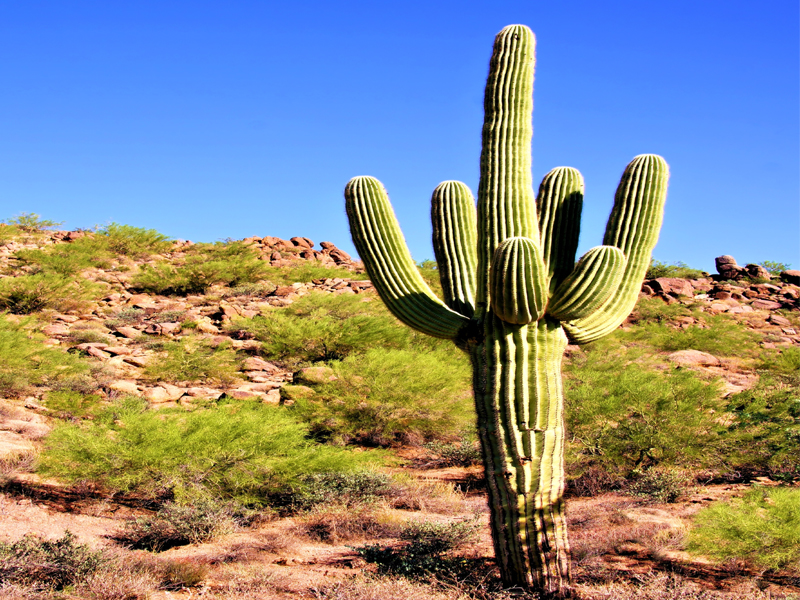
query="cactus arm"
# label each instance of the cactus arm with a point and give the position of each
(633, 227)
(518, 282)
(506, 205)
(559, 204)
(595, 279)
(383, 249)
(455, 244)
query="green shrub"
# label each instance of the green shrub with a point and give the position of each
(655, 310)
(180, 524)
(305, 271)
(659, 484)
(31, 223)
(68, 404)
(25, 361)
(774, 268)
(243, 451)
(424, 548)
(677, 269)
(27, 294)
(348, 489)
(464, 453)
(764, 435)
(320, 327)
(624, 416)
(719, 335)
(387, 396)
(232, 264)
(67, 259)
(46, 564)
(763, 528)
(135, 242)
(192, 359)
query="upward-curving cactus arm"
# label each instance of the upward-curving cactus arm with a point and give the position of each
(455, 244)
(633, 228)
(383, 249)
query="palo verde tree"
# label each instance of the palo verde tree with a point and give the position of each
(513, 296)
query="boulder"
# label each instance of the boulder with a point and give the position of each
(757, 271)
(792, 276)
(728, 269)
(766, 305)
(674, 286)
(693, 358)
(302, 242)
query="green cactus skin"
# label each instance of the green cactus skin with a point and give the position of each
(513, 295)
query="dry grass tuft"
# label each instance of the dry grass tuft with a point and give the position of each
(341, 523)
(664, 586)
(384, 588)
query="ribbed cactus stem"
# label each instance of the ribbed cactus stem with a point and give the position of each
(455, 244)
(506, 206)
(512, 294)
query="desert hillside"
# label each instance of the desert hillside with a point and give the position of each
(244, 419)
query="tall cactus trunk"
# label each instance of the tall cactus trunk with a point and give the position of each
(512, 292)
(520, 407)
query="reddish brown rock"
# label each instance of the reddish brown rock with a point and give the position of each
(327, 245)
(792, 277)
(766, 305)
(302, 242)
(693, 358)
(757, 271)
(55, 329)
(779, 321)
(254, 363)
(340, 256)
(284, 291)
(674, 286)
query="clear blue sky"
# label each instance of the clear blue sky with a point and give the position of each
(208, 120)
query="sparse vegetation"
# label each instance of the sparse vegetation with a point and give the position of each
(192, 359)
(677, 269)
(242, 451)
(31, 223)
(763, 527)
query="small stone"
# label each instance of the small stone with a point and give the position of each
(779, 320)
(766, 305)
(254, 363)
(137, 361)
(126, 386)
(55, 329)
(129, 332)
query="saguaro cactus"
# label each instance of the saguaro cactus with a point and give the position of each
(513, 295)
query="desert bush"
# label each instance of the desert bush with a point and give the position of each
(135, 242)
(47, 564)
(69, 404)
(762, 528)
(88, 335)
(232, 264)
(27, 294)
(764, 434)
(305, 271)
(180, 524)
(655, 310)
(659, 484)
(192, 359)
(464, 453)
(677, 269)
(718, 335)
(359, 487)
(321, 327)
(243, 451)
(335, 523)
(26, 362)
(387, 396)
(389, 588)
(31, 223)
(773, 267)
(625, 416)
(66, 259)
(259, 289)
(424, 547)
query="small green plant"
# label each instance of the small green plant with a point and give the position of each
(464, 453)
(192, 359)
(240, 451)
(31, 223)
(387, 396)
(762, 528)
(344, 488)
(180, 524)
(46, 564)
(305, 271)
(135, 242)
(660, 484)
(655, 310)
(27, 294)
(677, 269)
(25, 361)
(773, 267)
(625, 415)
(424, 548)
(69, 404)
(66, 259)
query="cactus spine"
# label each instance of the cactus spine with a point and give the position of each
(512, 295)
